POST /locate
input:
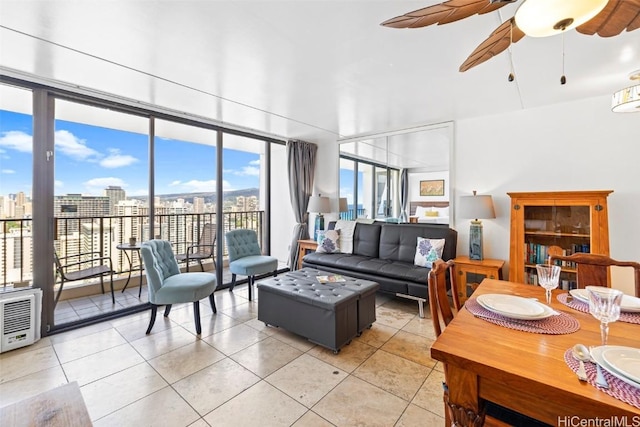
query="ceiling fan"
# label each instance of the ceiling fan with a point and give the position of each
(536, 18)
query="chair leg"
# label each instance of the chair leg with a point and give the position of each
(102, 284)
(196, 316)
(59, 292)
(233, 282)
(213, 303)
(154, 311)
(113, 297)
(251, 279)
(167, 309)
(201, 266)
(275, 273)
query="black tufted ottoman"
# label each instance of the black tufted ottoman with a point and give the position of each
(325, 315)
(366, 290)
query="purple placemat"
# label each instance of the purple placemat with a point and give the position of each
(617, 388)
(576, 304)
(555, 325)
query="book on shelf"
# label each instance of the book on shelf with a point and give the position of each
(539, 254)
(334, 278)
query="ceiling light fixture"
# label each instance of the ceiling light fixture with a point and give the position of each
(543, 18)
(627, 100)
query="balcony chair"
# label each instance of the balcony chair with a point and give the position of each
(168, 286)
(74, 267)
(203, 250)
(593, 269)
(245, 257)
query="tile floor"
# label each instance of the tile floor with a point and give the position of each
(239, 372)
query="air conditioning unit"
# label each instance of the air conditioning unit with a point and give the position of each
(20, 313)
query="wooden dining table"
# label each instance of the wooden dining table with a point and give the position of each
(525, 371)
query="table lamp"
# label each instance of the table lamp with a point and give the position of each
(343, 206)
(477, 207)
(319, 204)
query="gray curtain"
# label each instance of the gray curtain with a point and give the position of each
(404, 195)
(301, 159)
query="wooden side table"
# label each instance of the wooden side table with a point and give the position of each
(303, 247)
(489, 268)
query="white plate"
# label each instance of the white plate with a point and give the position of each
(596, 353)
(514, 307)
(625, 360)
(629, 304)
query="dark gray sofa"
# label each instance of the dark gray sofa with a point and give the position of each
(384, 253)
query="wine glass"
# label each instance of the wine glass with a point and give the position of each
(604, 305)
(548, 278)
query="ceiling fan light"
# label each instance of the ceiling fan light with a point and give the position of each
(543, 18)
(626, 100)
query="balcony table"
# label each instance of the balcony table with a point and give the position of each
(525, 371)
(126, 248)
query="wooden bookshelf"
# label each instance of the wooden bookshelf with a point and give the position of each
(576, 221)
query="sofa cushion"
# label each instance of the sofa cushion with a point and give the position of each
(427, 251)
(366, 240)
(329, 242)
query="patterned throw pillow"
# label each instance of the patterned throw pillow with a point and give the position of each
(427, 251)
(346, 229)
(330, 243)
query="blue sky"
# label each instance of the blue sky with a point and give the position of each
(90, 158)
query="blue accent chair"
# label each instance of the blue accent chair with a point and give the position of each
(245, 257)
(168, 286)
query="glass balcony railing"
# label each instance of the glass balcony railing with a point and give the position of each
(75, 236)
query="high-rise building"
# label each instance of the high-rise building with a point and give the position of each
(198, 205)
(115, 194)
(77, 205)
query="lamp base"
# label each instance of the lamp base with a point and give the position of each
(319, 226)
(475, 241)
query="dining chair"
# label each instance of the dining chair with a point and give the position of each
(86, 265)
(245, 257)
(491, 414)
(439, 304)
(204, 249)
(167, 285)
(593, 269)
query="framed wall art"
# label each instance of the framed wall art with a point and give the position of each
(434, 187)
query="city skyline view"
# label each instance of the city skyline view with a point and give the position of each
(88, 159)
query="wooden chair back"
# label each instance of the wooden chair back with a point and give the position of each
(438, 298)
(593, 269)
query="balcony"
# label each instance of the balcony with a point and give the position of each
(79, 235)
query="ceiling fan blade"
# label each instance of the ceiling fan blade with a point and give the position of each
(499, 40)
(443, 13)
(616, 16)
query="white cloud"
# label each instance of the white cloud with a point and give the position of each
(96, 185)
(16, 140)
(117, 160)
(58, 184)
(76, 148)
(175, 183)
(250, 170)
(196, 186)
(7, 171)
(255, 162)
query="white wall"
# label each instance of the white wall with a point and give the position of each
(574, 146)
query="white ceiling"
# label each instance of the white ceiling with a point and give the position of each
(312, 70)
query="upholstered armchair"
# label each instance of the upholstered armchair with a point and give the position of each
(245, 257)
(168, 286)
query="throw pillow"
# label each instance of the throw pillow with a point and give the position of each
(346, 235)
(431, 213)
(442, 211)
(421, 211)
(330, 244)
(427, 251)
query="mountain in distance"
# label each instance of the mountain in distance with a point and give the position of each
(209, 197)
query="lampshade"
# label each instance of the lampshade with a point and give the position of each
(343, 206)
(543, 18)
(319, 204)
(626, 100)
(476, 206)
